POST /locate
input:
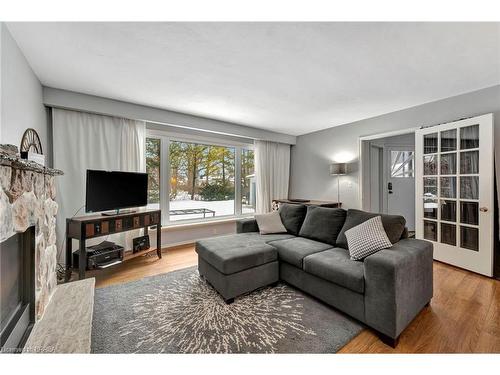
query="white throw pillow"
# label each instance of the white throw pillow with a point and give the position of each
(270, 223)
(367, 238)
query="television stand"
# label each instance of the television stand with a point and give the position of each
(117, 212)
(83, 228)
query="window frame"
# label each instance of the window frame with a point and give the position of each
(406, 171)
(165, 138)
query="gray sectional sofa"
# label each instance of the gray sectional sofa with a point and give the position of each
(385, 291)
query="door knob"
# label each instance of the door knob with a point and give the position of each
(483, 209)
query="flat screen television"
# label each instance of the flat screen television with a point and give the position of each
(110, 190)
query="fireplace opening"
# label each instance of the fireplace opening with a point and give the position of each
(17, 290)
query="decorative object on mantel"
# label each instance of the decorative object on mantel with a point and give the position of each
(31, 141)
(31, 146)
(27, 198)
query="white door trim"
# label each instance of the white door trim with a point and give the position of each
(361, 154)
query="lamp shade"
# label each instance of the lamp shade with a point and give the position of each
(338, 169)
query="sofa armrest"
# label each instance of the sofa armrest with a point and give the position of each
(246, 225)
(398, 284)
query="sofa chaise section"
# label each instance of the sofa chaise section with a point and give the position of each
(237, 264)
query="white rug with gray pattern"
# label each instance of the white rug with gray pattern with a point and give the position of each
(178, 312)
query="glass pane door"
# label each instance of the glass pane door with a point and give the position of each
(432, 189)
(446, 187)
(454, 191)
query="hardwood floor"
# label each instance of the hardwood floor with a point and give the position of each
(172, 259)
(463, 317)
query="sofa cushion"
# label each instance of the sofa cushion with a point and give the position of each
(323, 224)
(336, 266)
(394, 225)
(247, 225)
(238, 252)
(268, 238)
(270, 223)
(293, 250)
(292, 216)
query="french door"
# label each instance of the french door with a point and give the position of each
(454, 192)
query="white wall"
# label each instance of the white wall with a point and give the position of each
(21, 99)
(313, 152)
(407, 139)
(82, 102)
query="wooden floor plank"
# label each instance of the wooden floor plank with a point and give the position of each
(148, 265)
(464, 315)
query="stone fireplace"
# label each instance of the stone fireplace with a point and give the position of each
(27, 205)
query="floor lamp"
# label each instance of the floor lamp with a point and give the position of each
(338, 169)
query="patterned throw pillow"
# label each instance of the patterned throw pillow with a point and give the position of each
(367, 238)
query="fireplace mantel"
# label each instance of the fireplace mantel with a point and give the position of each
(27, 198)
(16, 162)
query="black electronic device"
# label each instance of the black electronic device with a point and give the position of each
(140, 243)
(115, 190)
(102, 255)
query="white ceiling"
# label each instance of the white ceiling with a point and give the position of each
(293, 78)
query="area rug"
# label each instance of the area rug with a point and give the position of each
(178, 312)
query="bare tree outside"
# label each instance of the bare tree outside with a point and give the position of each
(247, 181)
(153, 169)
(202, 179)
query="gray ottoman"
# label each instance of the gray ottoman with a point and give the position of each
(235, 265)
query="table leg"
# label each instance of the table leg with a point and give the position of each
(82, 260)
(69, 255)
(158, 240)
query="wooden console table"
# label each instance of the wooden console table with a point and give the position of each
(83, 228)
(276, 203)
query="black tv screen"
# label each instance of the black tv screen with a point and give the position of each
(115, 190)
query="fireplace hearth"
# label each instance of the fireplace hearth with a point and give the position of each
(27, 239)
(17, 290)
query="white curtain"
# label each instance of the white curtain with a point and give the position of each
(84, 141)
(272, 163)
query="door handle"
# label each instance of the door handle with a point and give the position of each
(483, 209)
(389, 187)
